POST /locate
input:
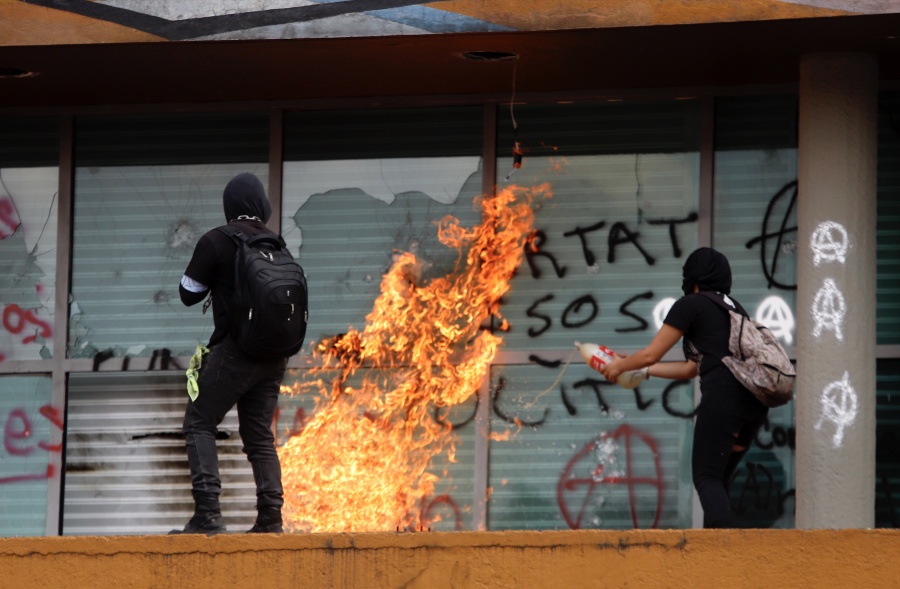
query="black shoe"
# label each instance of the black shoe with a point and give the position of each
(203, 523)
(268, 521)
(273, 528)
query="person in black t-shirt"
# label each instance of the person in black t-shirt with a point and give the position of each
(729, 416)
(228, 377)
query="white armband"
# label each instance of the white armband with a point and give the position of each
(192, 285)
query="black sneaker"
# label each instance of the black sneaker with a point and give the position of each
(203, 523)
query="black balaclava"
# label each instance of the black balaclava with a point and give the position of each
(244, 195)
(708, 269)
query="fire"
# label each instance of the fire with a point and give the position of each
(361, 462)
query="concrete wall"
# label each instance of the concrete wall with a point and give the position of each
(599, 558)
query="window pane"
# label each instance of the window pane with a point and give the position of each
(887, 453)
(146, 189)
(360, 187)
(888, 228)
(29, 184)
(447, 508)
(755, 225)
(623, 216)
(588, 454)
(28, 420)
(755, 212)
(605, 265)
(126, 464)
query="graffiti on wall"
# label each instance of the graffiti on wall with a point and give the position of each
(19, 443)
(607, 465)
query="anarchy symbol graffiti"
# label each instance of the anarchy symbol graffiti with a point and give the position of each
(828, 309)
(661, 310)
(839, 406)
(829, 243)
(775, 314)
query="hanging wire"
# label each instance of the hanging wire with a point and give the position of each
(518, 155)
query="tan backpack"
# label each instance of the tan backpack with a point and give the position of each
(757, 360)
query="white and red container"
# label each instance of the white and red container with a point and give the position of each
(597, 356)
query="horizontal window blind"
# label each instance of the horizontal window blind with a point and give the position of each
(385, 184)
(887, 453)
(146, 189)
(568, 449)
(755, 226)
(611, 240)
(126, 464)
(888, 227)
(583, 453)
(25, 472)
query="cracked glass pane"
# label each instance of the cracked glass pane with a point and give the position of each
(29, 185)
(361, 188)
(568, 449)
(146, 189)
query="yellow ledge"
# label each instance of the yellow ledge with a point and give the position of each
(438, 560)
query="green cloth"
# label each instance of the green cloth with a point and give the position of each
(193, 388)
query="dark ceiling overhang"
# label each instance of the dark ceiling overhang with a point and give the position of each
(385, 68)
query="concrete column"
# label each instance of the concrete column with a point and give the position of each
(835, 406)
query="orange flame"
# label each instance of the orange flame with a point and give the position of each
(361, 462)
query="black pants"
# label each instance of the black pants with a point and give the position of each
(227, 378)
(728, 416)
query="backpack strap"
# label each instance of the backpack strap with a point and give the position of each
(719, 299)
(239, 236)
(233, 232)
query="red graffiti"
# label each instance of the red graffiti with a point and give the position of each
(15, 320)
(570, 485)
(17, 434)
(9, 220)
(427, 515)
(12, 433)
(54, 416)
(29, 477)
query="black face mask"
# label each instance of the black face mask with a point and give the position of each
(708, 269)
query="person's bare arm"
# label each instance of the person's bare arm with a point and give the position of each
(662, 342)
(678, 370)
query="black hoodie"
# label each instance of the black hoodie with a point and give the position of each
(708, 269)
(702, 321)
(212, 264)
(244, 195)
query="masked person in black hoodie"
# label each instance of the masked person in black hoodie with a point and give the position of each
(228, 377)
(728, 416)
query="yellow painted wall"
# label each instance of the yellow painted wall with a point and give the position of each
(643, 559)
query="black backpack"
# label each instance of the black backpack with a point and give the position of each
(268, 310)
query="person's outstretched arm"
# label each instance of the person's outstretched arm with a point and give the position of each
(677, 370)
(662, 342)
